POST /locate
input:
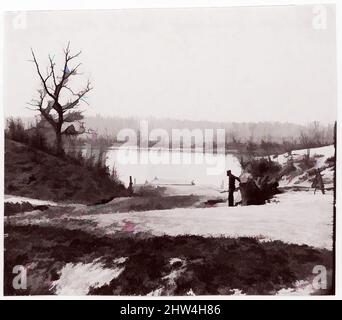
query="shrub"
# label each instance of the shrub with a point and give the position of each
(288, 169)
(114, 174)
(331, 161)
(306, 163)
(37, 140)
(11, 208)
(262, 167)
(16, 131)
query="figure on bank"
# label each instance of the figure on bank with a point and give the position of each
(318, 182)
(130, 186)
(231, 187)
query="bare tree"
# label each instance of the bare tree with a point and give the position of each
(317, 133)
(54, 108)
(252, 126)
(306, 142)
(251, 149)
(267, 146)
(234, 139)
(289, 145)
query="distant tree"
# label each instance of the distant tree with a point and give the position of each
(306, 142)
(234, 139)
(57, 102)
(317, 133)
(330, 134)
(114, 174)
(37, 139)
(289, 145)
(16, 130)
(267, 146)
(252, 126)
(251, 148)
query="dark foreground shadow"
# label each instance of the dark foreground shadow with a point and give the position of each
(205, 266)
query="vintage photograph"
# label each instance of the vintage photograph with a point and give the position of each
(170, 152)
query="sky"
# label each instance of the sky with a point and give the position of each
(242, 64)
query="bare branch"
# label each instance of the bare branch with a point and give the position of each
(73, 116)
(66, 72)
(80, 95)
(39, 104)
(73, 71)
(52, 68)
(44, 80)
(37, 109)
(67, 50)
(68, 88)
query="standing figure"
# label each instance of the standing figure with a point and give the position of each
(318, 182)
(231, 187)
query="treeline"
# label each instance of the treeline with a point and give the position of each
(267, 147)
(31, 135)
(275, 132)
(254, 139)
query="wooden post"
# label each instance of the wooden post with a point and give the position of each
(130, 187)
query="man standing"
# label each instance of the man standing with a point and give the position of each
(231, 188)
(318, 182)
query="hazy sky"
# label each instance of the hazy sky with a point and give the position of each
(226, 64)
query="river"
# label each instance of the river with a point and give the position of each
(172, 167)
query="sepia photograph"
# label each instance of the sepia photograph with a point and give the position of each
(170, 151)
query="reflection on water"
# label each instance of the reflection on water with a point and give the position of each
(172, 166)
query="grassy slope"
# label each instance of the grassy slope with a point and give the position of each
(33, 173)
(212, 265)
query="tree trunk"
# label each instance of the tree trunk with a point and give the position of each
(307, 156)
(252, 194)
(59, 143)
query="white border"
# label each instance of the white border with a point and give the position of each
(21, 5)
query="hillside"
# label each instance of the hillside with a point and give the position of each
(36, 174)
(322, 158)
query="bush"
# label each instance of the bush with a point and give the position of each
(33, 136)
(114, 175)
(263, 167)
(37, 140)
(11, 208)
(16, 131)
(94, 159)
(306, 162)
(288, 169)
(331, 161)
